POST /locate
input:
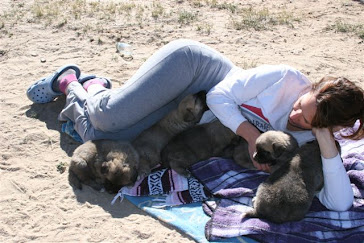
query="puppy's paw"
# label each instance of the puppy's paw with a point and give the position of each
(74, 181)
(188, 174)
(110, 188)
(253, 201)
(250, 214)
(94, 185)
(183, 172)
(143, 173)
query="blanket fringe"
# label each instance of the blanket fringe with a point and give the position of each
(119, 194)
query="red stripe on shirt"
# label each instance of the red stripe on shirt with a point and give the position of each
(255, 110)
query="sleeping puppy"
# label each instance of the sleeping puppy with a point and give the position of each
(150, 142)
(104, 164)
(198, 143)
(296, 176)
(112, 164)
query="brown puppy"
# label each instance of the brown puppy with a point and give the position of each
(296, 175)
(199, 143)
(150, 142)
(104, 164)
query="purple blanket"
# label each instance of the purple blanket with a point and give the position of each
(236, 187)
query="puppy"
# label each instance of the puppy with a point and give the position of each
(198, 143)
(104, 164)
(240, 154)
(150, 142)
(275, 147)
(296, 175)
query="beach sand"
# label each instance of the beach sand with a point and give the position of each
(36, 37)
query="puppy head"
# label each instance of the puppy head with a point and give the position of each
(193, 106)
(274, 146)
(120, 169)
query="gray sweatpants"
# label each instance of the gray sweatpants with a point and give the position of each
(179, 68)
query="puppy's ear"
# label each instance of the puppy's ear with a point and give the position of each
(189, 116)
(278, 150)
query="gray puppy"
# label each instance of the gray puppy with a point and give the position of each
(104, 164)
(296, 176)
(150, 142)
(240, 154)
(202, 142)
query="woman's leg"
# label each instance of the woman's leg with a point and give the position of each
(75, 108)
(180, 68)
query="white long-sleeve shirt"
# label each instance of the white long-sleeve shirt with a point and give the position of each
(264, 96)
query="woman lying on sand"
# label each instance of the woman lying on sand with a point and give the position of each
(269, 97)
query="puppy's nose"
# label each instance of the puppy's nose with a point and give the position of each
(104, 168)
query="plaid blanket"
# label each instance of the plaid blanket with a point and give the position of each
(236, 187)
(172, 189)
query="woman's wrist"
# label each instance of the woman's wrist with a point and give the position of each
(250, 133)
(326, 142)
(247, 131)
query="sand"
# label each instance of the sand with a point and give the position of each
(36, 37)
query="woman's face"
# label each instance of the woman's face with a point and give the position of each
(302, 113)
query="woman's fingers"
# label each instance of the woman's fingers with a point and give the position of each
(265, 168)
(257, 165)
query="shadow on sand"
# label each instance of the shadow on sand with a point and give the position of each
(48, 113)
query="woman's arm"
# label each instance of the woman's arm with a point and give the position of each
(250, 133)
(225, 98)
(337, 193)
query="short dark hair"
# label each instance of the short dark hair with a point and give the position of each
(339, 102)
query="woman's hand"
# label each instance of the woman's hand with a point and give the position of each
(326, 142)
(250, 133)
